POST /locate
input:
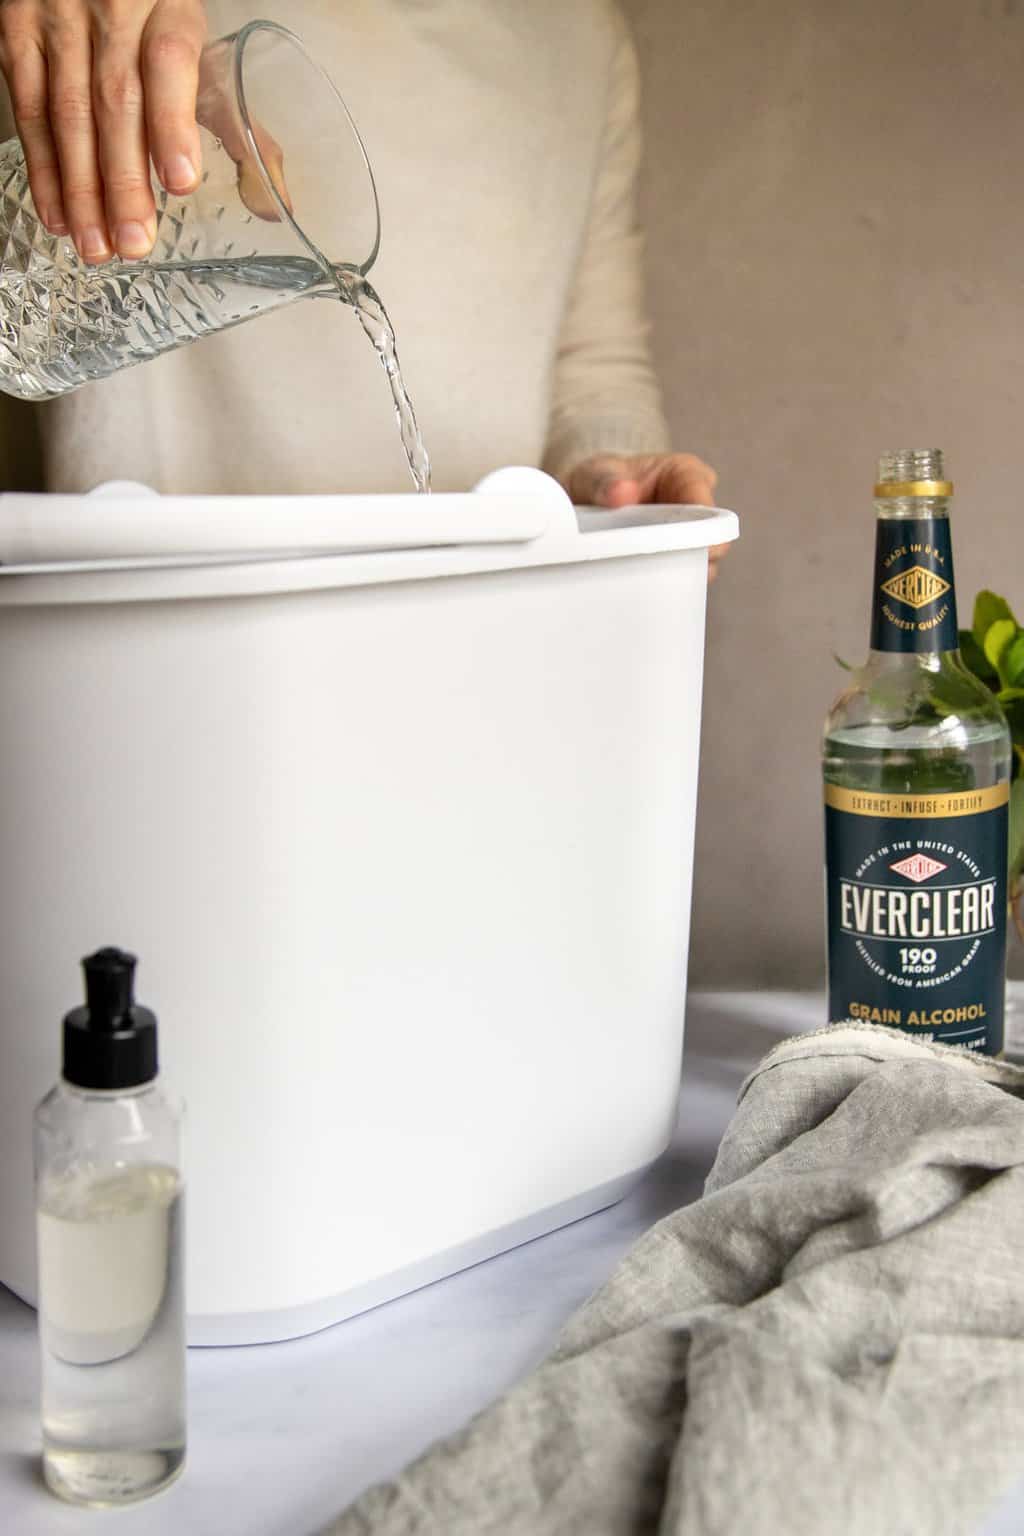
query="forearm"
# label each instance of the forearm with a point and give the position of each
(605, 396)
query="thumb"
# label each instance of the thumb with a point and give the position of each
(606, 480)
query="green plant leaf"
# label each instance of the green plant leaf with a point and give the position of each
(1013, 662)
(1013, 709)
(989, 609)
(1016, 830)
(975, 660)
(953, 692)
(998, 637)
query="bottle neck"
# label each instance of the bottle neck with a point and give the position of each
(107, 1095)
(914, 592)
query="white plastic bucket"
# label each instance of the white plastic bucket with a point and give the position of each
(403, 840)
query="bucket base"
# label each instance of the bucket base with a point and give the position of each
(295, 1322)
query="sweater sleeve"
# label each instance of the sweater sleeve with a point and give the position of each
(605, 396)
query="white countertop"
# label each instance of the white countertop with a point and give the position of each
(283, 1436)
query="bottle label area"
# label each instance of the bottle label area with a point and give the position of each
(917, 912)
(915, 600)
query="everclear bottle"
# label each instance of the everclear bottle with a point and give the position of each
(109, 1233)
(916, 766)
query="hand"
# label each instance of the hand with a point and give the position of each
(680, 479)
(99, 87)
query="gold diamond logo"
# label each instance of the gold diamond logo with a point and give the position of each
(917, 587)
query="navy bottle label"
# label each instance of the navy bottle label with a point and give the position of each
(915, 598)
(917, 912)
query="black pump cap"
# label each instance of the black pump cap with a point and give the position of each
(111, 1042)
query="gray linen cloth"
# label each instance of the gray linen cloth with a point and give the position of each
(830, 1340)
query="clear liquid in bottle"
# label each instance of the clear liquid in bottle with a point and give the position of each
(110, 1248)
(112, 1333)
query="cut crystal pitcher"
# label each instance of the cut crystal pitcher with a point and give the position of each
(285, 179)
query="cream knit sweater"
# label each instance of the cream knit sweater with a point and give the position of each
(505, 141)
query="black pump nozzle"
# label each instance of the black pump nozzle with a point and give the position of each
(109, 988)
(110, 1044)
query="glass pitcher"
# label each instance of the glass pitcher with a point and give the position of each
(285, 179)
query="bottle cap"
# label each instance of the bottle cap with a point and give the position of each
(111, 1042)
(911, 473)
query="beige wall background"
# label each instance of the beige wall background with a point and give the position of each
(834, 193)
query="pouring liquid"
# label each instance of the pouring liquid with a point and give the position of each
(63, 324)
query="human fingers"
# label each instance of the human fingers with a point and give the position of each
(68, 43)
(615, 481)
(172, 44)
(23, 62)
(122, 142)
(604, 480)
(619, 491)
(681, 479)
(217, 117)
(252, 188)
(716, 554)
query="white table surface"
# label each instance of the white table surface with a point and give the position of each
(283, 1436)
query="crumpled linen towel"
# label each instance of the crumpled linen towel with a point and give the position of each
(830, 1340)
